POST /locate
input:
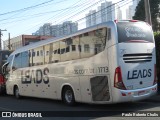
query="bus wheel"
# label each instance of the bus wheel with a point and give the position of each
(68, 96)
(16, 92)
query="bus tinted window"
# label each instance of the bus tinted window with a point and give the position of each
(130, 31)
(25, 59)
(17, 61)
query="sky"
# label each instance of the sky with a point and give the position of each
(26, 16)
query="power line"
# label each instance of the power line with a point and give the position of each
(62, 12)
(54, 15)
(27, 8)
(121, 2)
(1, 39)
(85, 5)
(82, 11)
(88, 8)
(105, 9)
(13, 16)
(39, 14)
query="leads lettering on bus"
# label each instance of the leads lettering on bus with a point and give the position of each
(135, 74)
(36, 76)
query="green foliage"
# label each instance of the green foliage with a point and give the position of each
(157, 43)
(154, 8)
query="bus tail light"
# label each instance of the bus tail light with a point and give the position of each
(116, 21)
(118, 82)
(155, 75)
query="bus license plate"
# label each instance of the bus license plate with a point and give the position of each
(141, 92)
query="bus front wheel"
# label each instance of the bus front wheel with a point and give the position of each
(68, 96)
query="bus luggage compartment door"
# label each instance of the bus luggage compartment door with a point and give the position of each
(100, 88)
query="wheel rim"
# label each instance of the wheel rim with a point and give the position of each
(68, 96)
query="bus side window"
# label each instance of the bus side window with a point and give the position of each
(25, 59)
(38, 57)
(17, 63)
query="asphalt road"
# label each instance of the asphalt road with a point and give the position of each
(57, 108)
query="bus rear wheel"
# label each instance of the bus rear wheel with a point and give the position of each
(16, 92)
(68, 96)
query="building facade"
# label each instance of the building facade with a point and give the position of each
(132, 9)
(119, 13)
(105, 12)
(23, 40)
(65, 28)
(129, 12)
(135, 3)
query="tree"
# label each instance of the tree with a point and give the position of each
(154, 8)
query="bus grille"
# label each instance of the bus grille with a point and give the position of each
(137, 58)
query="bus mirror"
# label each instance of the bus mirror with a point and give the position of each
(4, 68)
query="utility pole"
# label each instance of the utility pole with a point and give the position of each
(147, 11)
(9, 41)
(1, 38)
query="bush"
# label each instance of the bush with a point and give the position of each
(157, 43)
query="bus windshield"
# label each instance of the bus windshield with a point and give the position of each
(134, 32)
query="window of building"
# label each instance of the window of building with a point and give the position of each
(33, 54)
(63, 51)
(86, 48)
(55, 51)
(37, 53)
(47, 51)
(39, 58)
(86, 34)
(73, 48)
(98, 48)
(94, 43)
(63, 45)
(56, 56)
(41, 53)
(67, 49)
